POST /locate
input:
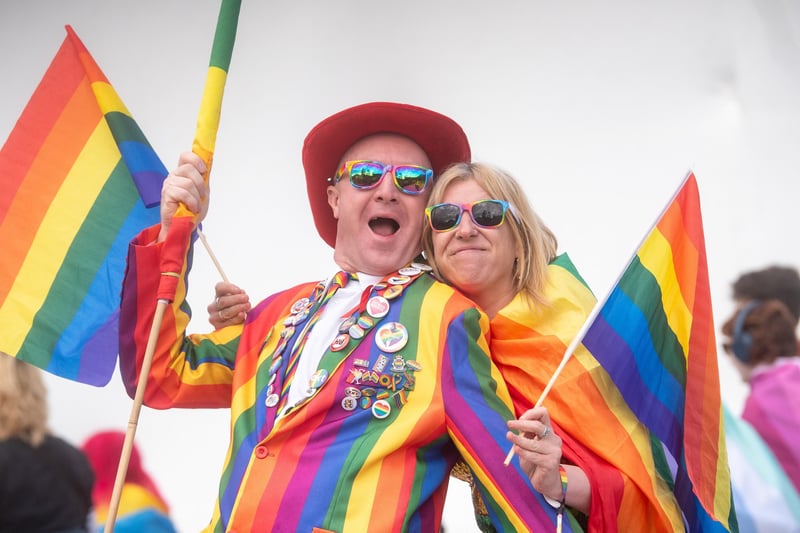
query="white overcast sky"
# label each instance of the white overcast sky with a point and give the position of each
(598, 108)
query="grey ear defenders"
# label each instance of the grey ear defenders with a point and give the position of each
(742, 340)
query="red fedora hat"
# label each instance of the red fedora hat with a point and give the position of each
(439, 136)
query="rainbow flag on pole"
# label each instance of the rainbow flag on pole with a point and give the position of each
(654, 335)
(78, 180)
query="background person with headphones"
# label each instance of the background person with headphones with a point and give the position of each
(760, 338)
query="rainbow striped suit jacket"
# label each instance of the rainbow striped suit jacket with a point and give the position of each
(321, 467)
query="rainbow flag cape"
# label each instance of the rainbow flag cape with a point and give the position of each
(78, 180)
(654, 335)
(599, 432)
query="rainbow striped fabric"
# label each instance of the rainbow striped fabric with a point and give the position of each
(139, 510)
(654, 335)
(599, 432)
(766, 501)
(78, 180)
(773, 409)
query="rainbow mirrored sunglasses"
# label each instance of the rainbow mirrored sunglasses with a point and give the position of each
(484, 213)
(365, 174)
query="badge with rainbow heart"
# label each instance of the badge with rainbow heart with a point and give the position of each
(391, 337)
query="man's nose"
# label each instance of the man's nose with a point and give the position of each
(386, 189)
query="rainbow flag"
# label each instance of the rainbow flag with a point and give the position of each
(78, 180)
(766, 501)
(654, 335)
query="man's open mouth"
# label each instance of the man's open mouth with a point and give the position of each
(384, 226)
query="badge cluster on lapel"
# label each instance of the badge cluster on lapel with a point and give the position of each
(382, 384)
(379, 385)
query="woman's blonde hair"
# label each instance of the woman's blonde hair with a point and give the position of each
(23, 401)
(536, 245)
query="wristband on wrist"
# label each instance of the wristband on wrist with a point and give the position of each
(559, 505)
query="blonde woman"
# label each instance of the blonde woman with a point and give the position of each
(45, 482)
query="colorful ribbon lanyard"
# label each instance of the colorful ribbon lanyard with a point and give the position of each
(339, 280)
(560, 518)
(355, 326)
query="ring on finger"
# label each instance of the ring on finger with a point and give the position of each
(546, 432)
(216, 302)
(221, 316)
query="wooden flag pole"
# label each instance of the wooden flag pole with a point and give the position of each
(138, 401)
(211, 254)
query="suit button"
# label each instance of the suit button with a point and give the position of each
(262, 451)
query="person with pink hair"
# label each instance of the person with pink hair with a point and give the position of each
(141, 508)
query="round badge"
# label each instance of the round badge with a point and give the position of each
(318, 379)
(300, 316)
(349, 403)
(352, 392)
(398, 280)
(381, 409)
(409, 271)
(345, 325)
(299, 305)
(365, 402)
(281, 347)
(356, 331)
(340, 342)
(391, 337)
(422, 266)
(393, 292)
(287, 332)
(366, 322)
(377, 307)
(275, 364)
(272, 400)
